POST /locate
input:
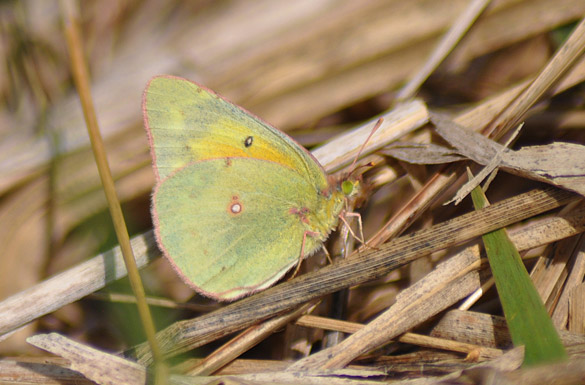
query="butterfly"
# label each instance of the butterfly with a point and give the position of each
(237, 203)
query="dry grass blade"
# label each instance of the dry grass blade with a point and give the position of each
(408, 338)
(369, 265)
(447, 284)
(81, 78)
(573, 282)
(557, 163)
(444, 179)
(107, 369)
(316, 69)
(524, 98)
(100, 367)
(447, 43)
(566, 58)
(243, 342)
(72, 284)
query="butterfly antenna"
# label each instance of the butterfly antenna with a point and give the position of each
(378, 124)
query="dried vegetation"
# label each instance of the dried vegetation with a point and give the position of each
(419, 308)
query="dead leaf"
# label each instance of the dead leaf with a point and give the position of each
(560, 163)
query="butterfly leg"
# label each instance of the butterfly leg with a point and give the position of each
(302, 255)
(327, 254)
(361, 238)
(360, 226)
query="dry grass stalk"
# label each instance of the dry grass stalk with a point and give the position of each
(313, 68)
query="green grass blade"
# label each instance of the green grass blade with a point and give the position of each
(526, 316)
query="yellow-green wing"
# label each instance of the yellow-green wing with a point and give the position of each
(234, 226)
(187, 123)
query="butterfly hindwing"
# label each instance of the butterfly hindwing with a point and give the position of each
(230, 226)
